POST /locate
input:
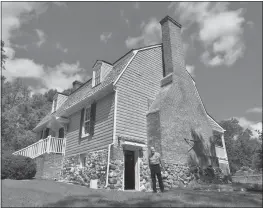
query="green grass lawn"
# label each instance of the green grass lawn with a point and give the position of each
(37, 193)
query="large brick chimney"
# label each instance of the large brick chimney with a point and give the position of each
(173, 52)
(177, 123)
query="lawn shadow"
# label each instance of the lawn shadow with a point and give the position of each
(178, 198)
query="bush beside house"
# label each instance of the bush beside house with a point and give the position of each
(17, 167)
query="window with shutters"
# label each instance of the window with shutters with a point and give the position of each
(86, 122)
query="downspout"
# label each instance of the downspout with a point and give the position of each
(113, 139)
(108, 165)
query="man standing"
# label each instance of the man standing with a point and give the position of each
(155, 162)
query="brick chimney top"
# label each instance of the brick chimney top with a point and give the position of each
(170, 19)
(173, 51)
(76, 84)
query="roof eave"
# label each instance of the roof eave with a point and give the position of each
(95, 96)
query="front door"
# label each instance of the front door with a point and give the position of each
(129, 174)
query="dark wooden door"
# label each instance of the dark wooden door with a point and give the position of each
(61, 133)
(129, 173)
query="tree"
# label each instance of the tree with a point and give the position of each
(3, 55)
(240, 145)
(21, 113)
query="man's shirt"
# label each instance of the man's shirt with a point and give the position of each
(155, 159)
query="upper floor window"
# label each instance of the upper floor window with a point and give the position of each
(97, 76)
(86, 122)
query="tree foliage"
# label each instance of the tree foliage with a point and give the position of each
(3, 55)
(240, 146)
(21, 112)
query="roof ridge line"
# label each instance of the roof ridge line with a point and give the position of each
(149, 47)
(134, 54)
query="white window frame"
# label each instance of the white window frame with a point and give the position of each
(82, 158)
(97, 76)
(85, 120)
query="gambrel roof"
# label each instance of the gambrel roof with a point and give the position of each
(86, 90)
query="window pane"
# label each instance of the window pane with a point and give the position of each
(97, 80)
(86, 127)
(87, 117)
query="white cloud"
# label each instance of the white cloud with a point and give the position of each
(127, 22)
(59, 77)
(151, 34)
(59, 3)
(10, 52)
(14, 14)
(42, 37)
(253, 126)
(61, 48)
(190, 69)
(255, 110)
(136, 5)
(22, 68)
(251, 24)
(12, 19)
(104, 37)
(122, 13)
(20, 46)
(220, 31)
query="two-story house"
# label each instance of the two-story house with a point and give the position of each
(104, 128)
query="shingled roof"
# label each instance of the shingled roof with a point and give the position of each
(86, 90)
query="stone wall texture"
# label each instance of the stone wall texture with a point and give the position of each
(95, 167)
(115, 180)
(173, 175)
(49, 166)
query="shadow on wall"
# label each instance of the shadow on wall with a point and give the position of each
(201, 154)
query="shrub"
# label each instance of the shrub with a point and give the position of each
(210, 175)
(17, 167)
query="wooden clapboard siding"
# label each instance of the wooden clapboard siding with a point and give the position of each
(61, 100)
(140, 81)
(103, 130)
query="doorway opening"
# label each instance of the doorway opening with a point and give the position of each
(129, 173)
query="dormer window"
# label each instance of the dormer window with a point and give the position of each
(97, 76)
(100, 71)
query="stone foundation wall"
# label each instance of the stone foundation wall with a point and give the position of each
(173, 175)
(115, 179)
(95, 167)
(116, 176)
(49, 166)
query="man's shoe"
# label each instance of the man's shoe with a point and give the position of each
(154, 191)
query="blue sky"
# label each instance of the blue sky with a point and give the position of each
(52, 44)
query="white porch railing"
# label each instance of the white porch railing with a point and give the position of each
(48, 145)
